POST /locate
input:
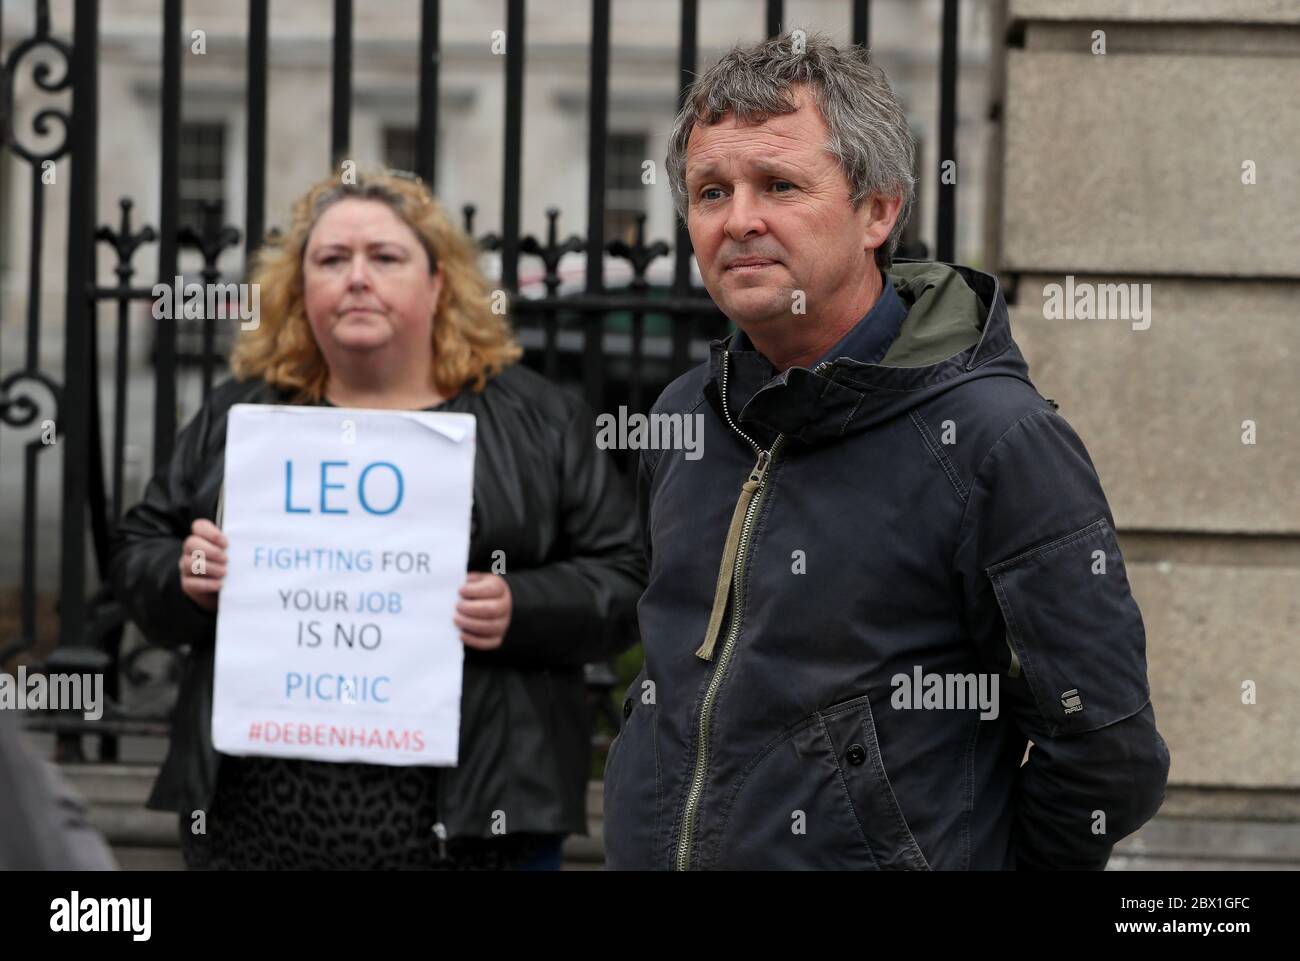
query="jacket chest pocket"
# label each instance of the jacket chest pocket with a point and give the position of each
(819, 797)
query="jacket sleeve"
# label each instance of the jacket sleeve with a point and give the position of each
(145, 569)
(1048, 603)
(580, 607)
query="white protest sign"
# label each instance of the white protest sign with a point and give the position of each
(349, 537)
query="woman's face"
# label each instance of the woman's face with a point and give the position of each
(366, 282)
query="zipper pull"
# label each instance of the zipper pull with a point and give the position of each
(722, 592)
(440, 830)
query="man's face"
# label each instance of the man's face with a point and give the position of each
(770, 194)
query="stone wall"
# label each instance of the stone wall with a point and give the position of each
(1133, 167)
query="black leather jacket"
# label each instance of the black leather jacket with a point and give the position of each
(545, 496)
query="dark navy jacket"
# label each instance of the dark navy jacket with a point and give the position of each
(903, 520)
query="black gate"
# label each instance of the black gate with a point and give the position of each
(64, 406)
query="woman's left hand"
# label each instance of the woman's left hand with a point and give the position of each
(483, 613)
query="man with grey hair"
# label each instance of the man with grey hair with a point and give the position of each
(888, 516)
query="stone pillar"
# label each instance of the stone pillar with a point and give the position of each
(1172, 159)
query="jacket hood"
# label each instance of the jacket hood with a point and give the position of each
(956, 331)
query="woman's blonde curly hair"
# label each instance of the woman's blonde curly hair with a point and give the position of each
(471, 343)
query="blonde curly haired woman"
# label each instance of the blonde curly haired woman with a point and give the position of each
(374, 299)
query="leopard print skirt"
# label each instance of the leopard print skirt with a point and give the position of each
(285, 814)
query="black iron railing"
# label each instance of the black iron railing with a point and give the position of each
(90, 623)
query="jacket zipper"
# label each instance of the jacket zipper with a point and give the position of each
(730, 581)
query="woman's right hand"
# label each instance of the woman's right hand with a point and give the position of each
(203, 563)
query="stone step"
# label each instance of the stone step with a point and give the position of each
(1271, 843)
(149, 859)
(1121, 862)
(116, 793)
(585, 850)
(126, 825)
(111, 783)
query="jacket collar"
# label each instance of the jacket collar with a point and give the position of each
(851, 395)
(867, 341)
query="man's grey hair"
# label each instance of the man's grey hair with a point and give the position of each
(869, 135)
